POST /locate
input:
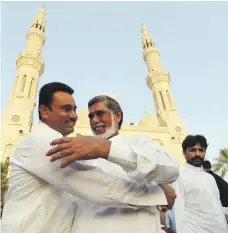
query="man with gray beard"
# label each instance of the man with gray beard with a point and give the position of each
(139, 159)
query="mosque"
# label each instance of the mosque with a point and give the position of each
(166, 128)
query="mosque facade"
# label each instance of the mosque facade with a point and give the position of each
(166, 128)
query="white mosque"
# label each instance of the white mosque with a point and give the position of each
(166, 128)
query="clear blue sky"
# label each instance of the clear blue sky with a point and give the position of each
(96, 47)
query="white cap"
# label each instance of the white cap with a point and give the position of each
(113, 96)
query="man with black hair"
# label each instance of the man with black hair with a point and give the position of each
(41, 196)
(197, 207)
(222, 184)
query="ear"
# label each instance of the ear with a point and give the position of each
(118, 117)
(184, 153)
(43, 110)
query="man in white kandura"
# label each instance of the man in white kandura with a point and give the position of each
(198, 208)
(41, 196)
(136, 159)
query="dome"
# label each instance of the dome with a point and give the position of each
(148, 120)
(83, 118)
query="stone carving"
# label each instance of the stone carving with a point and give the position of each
(15, 118)
(178, 129)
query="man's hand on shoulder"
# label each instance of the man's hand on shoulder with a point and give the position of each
(79, 148)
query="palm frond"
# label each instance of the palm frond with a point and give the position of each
(221, 162)
(224, 171)
(224, 154)
(217, 166)
(4, 178)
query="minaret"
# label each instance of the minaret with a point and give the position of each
(158, 81)
(18, 116)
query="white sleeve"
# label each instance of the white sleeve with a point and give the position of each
(179, 203)
(144, 160)
(86, 182)
(213, 185)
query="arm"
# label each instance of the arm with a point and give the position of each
(169, 193)
(168, 223)
(144, 160)
(87, 182)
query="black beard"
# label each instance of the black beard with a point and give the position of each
(192, 161)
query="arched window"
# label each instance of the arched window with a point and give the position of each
(8, 150)
(155, 102)
(147, 44)
(23, 81)
(162, 100)
(169, 97)
(31, 87)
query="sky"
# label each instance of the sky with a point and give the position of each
(96, 47)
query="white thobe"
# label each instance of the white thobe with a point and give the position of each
(198, 207)
(145, 161)
(41, 196)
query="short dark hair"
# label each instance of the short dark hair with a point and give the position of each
(110, 103)
(47, 91)
(206, 164)
(192, 140)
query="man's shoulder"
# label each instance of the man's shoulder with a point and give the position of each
(42, 133)
(40, 138)
(184, 172)
(183, 169)
(209, 177)
(217, 177)
(141, 140)
(132, 137)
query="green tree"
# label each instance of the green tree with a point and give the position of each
(221, 163)
(4, 179)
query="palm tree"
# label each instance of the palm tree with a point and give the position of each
(221, 163)
(4, 179)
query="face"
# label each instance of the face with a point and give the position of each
(103, 122)
(195, 155)
(62, 115)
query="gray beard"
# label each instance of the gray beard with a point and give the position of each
(111, 131)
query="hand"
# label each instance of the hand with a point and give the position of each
(170, 194)
(79, 148)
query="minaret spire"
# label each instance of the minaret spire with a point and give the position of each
(40, 19)
(146, 39)
(150, 53)
(158, 81)
(18, 116)
(36, 34)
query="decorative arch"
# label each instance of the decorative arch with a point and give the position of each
(8, 150)
(162, 100)
(169, 97)
(31, 87)
(23, 82)
(155, 102)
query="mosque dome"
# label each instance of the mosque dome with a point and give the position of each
(148, 120)
(83, 118)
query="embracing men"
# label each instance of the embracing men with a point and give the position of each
(116, 187)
